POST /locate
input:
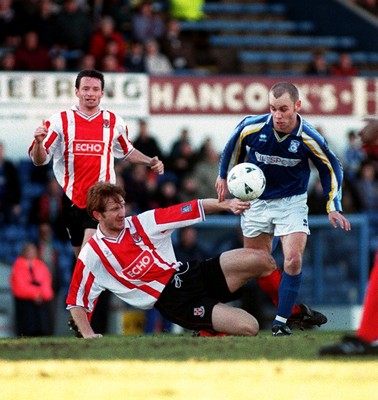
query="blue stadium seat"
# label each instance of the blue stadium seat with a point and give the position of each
(242, 8)
(279, 41)
(302, 57)
(255, 26)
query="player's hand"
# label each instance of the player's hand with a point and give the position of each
(337, 219)
(40, 133)
(221, 188)
(238, 206)
(157, 165)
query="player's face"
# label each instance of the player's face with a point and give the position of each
(89, 94)
(112, 220)
(284, 112)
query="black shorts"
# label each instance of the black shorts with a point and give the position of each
(76, 221)
(190, 296)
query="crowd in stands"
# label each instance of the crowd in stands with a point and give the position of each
(115, 36)
(112, 36)
(321, 67)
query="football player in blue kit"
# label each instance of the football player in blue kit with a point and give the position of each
(282, 144)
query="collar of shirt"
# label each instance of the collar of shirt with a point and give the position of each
(101, 235)
(76, 109)
(296, 132)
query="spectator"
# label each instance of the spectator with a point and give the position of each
(58, 63)
(106, 33)
(135, 58)
(138, 177)
(121, 11)
(368, 186)
(110, 63)
(31, 55)
(8, 62)
(31, 285)
(146, 142)
(183, 159)
(146, 24)
(43, 22)
(47, 208)
(206, 170)
(156, 62)
(352, 200)
(186, 10)
(86, 61)
(166, 194)
(188, 247)
(316, 200)
(11, 25)
(178, 47)
(73, 29)
(319, 65)
(10, 190)
(344, 66)
(176, 146)
(49, 255)
(353, 156)
(188, 188)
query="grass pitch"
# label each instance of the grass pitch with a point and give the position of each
(165, 367)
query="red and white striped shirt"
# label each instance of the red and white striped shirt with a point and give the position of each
(83, 150)
(138, 264)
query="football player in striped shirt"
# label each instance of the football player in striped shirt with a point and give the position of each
(83, 143)
(133, 257)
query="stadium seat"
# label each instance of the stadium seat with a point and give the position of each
(279, 41)
(242, 8)
(248, 26)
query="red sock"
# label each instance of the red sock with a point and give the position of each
(368, 329)
(270, 284)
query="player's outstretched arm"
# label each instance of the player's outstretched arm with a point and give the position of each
(80, 317)
(235, 205)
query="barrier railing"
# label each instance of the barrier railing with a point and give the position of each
(335, 263)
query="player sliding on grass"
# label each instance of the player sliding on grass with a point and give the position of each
(133, 257)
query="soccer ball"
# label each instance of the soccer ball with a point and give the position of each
(246, 181)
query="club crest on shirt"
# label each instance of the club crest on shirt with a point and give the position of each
(187, 208)
(136, 237)
(199, 311)
(106, 123)
(293, 148)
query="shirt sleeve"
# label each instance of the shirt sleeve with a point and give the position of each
(330, 171)
(122, 146)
